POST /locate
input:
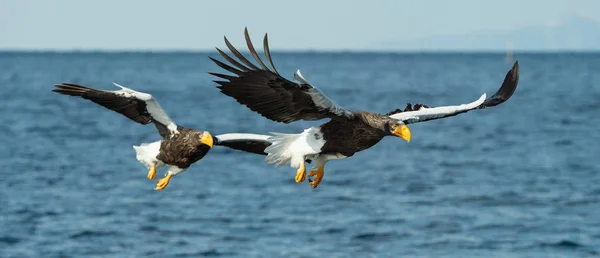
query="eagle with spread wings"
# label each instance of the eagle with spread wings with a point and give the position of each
(266, 92)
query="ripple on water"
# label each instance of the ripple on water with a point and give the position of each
(374, 236)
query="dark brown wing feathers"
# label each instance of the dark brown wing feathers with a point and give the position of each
(268, 53)
(132, 108)
(238, 55)
(408, 107)
(257, 147)
(252, 50)
(506, 90)
(265, 91)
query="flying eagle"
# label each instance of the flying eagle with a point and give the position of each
(180, 146)
(266, 92)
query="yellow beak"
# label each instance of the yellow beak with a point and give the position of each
(402, 132)
(207, 139)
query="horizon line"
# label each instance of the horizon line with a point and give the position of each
(292, 51)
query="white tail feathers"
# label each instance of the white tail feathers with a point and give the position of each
(279, 150)
(146, 153)
(293, 148)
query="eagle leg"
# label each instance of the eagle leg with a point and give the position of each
(301, 173)
(163, 182)
(318, 174)
(152, 172)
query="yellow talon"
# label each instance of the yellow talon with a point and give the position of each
(301, 173)
(163, 182)
(152, 172)
(318, 174)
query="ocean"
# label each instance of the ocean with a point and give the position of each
(516, 180)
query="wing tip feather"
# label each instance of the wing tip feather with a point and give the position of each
(71, 89)
(507, 89)
(253, 50)
(119, 85)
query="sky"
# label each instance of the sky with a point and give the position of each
(292, 25)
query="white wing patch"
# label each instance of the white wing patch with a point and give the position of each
(436, 112)
(299, 78)
(319, 98)
(152, 107)
(242, 137)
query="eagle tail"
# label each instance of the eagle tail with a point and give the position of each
(280, 151)
(146, 153)
(294, 148)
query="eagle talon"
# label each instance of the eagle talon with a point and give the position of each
(318, 174)
(152, 173)
(163, 182)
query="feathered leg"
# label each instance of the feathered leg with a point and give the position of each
(163, 182)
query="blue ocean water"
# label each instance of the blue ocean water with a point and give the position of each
(517, 180)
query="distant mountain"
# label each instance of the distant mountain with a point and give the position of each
(571, 34)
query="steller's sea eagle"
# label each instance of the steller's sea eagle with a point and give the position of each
(266, 92)
(180, 146)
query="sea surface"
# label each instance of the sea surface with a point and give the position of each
(518, 180)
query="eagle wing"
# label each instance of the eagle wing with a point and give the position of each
(137, 106)
(422, 113)
(248, 142)
(268, 93)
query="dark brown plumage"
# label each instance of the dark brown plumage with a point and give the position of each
(183, 149)
(348, 136)
(408, 107)
(130, 107)
(252, 146)
(180, 147)
(266, 92)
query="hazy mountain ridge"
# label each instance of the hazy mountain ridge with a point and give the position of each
(572, 34)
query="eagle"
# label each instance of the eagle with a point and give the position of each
(180, 147)
(266, 92)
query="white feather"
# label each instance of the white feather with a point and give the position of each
(152, 106)
(146, 153)
(294, 148)
(299, 78)
(241, 137)
(319, 98)
(174, 170)
(323, 158)
(429, 113)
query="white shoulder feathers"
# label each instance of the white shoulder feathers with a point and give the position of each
(436, 112)
(152, 107)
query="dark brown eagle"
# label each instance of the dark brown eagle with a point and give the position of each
(180, 147)
(266, 92)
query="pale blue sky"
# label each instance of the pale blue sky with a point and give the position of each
(303, 25)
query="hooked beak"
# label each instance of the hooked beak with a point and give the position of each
(403, 132)
(206, 139)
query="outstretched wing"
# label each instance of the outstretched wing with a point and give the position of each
(268, 93)
(248, 142)
(422, 113)
(253, 143)
(137, 106)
